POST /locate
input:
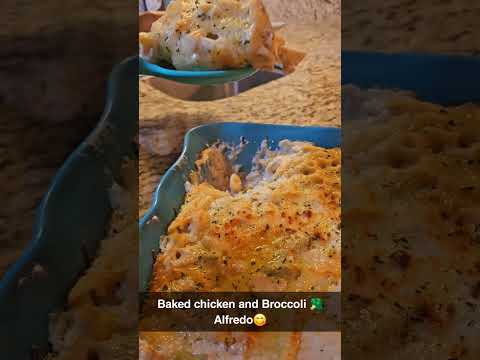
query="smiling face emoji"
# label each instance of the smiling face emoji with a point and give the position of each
(259, 320)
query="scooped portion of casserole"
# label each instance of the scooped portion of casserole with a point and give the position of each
(217, 34)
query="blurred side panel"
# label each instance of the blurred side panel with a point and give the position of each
(410, 175)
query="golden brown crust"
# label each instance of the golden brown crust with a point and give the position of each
(225, 242)
(290, 58)
(262, 38)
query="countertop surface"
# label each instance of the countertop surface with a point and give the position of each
(436, 26)
(309, 96)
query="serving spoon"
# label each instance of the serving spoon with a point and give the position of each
(195, 77)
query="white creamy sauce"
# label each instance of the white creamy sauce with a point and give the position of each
(266, 161)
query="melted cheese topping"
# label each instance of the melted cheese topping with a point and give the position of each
(411, 215)
(280, 234)
(217, 34)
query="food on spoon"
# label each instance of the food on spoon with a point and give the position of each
(217, 34)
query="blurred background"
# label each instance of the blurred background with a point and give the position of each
(437, 26)
(55, 59)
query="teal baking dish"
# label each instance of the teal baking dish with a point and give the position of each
(170, 193)
(71, 220)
